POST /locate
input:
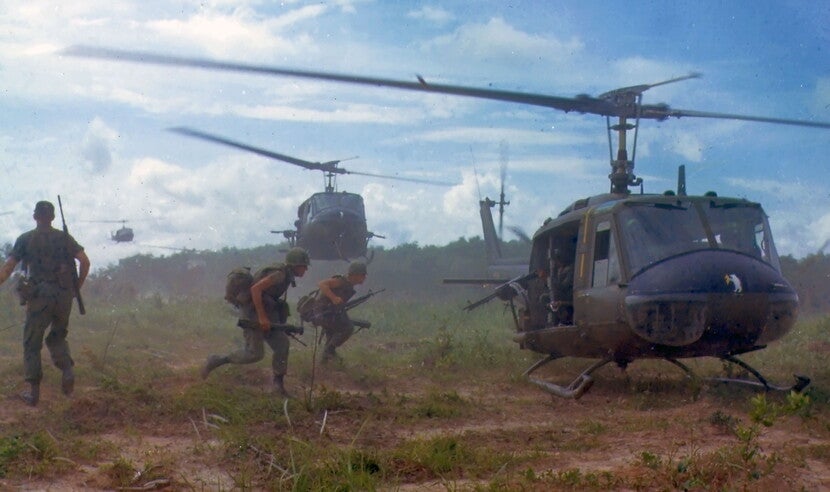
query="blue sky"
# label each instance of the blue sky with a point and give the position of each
(94, 131)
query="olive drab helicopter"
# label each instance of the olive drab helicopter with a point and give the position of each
(330, 225)
(622, 276)
(123, 235)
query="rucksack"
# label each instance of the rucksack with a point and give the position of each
(238, 286)
(307, 305)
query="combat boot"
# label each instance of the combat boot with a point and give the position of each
(279, 386)
(212, 363)
(32, 395)
(68, 381)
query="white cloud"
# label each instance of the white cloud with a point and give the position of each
(435, 15)
(96, 146)
(498, 40)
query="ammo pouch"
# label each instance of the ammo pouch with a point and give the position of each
(25, 289)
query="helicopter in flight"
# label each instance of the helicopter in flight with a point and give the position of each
(331, 224)
(123, 235)
(621, 276)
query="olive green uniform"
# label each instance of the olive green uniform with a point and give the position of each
(48, 256)
(337, 327)
(277, 310)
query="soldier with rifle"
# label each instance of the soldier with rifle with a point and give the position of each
(264, 316)
(47, 289)
(332, 304)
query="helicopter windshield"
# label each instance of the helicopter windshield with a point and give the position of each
(742, 227)
(348, 201)
(655, 231)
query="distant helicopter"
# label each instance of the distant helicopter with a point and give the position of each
(123, 235)
(619, 276)
(330, 225)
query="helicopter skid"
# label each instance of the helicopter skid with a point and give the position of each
(578, 386)
(801, 382)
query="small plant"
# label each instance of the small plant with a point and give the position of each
(650, 460)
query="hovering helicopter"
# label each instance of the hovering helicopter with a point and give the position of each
(123, 235)
(330, 225)
(622, 276)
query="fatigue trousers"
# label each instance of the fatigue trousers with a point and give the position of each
(50, 307)
(337, 330)
(255, 340)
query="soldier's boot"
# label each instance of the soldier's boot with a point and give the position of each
(32, 395)
(68, 381)
(279, 386)
(212, 363)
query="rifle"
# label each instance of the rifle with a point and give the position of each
(502, 291)
(332, 309)
(254, 324)
(75, 288)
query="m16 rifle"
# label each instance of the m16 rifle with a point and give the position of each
(287, 328)
(320, 312)
(291, 330)
(75, 283)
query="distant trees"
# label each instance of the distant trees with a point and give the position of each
(408, 271)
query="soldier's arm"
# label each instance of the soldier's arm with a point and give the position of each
(7, 269)
(256, 296)
(325, 288)
(83, 260)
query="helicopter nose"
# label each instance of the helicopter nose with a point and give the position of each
(720, 297)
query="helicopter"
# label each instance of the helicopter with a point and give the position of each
(621, 276)
(330, 225)
(123, 235)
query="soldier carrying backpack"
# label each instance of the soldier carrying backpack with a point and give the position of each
(262, 298)
(333, 293)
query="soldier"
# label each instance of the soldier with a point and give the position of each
(335, 291)
(49, 256)
(268, 306)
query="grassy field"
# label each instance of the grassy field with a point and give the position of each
(429, 398)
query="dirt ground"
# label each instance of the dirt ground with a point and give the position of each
(613, 428)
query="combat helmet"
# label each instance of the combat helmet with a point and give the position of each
(357, 268)
(297, 257)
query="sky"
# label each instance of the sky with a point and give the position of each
(96, 133)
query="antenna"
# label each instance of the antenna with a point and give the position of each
(503, 175)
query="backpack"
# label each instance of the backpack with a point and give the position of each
(307, 305)
(238, 286)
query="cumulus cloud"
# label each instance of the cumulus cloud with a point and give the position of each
(96, 152)
(498, 40)
(435, 15)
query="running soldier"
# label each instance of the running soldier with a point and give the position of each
(335, 291)
(267, 306)
(48, 257)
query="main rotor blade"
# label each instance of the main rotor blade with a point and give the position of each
(398, 178)
(679, 113)
(327, 167)
(581, 103)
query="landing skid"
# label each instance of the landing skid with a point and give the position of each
(576, 389)
(584, 381)
(801, 382)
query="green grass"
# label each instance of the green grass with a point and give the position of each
(417, 370)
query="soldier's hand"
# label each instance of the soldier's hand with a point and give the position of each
(264, 324)
(336, 300)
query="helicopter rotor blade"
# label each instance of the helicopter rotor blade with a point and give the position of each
(608, 106)
(520, 233)
(680, 113)
(330, 166)
(399, 178)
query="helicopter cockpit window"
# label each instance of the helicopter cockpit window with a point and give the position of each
(742, 227)
(606, 264)
(652, 232)
(348, 201)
